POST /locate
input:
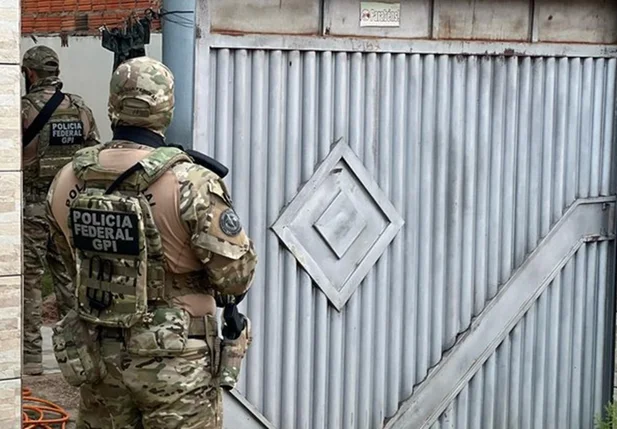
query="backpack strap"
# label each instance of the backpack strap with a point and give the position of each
(42, 118)
(157, 163)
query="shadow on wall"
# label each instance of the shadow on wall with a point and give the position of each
(85, 69)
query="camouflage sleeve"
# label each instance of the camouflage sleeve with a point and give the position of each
(28, 113)
(217, 237)
(93, 137)
(62, 246)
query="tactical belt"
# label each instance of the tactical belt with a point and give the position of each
(197, 329)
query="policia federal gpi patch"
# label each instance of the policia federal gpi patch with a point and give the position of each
(66, 133)
(105, 231)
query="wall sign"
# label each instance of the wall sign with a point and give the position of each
(380, 14)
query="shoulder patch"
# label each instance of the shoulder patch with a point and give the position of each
(229, 222)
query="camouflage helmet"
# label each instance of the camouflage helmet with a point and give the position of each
(41, 58)
(141, 94)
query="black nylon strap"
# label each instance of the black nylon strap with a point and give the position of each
(152, 139)
(121, 178)
(41, 119)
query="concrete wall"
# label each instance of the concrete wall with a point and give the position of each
(85, 69)
(10, 217)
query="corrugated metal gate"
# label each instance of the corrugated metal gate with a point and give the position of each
(434, 229)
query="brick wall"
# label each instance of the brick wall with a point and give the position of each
(76, 17)
(10, 216)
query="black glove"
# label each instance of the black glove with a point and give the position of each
(235, 322)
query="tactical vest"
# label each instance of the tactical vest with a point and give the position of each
(118, 248)
(62, 136)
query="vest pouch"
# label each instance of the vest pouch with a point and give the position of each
(214, 344)
(77, 351)
(165, 332)
(109, 238)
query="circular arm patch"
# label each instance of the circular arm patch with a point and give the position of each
(229, 223)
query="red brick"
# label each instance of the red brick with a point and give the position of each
(55, 24)
(40, 25)
(58, 6)
(44, 6)
(29, 6)
(68, 23)
(142, 6)
(84, 5)
(70, 5)
(94, 22)
(27, 25)
(114, 5)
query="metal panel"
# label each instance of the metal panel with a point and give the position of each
(451, 47)
(342, 18)
(339, 224)
(482, 19)
(266, 16)
(239, 413)
(481, 156)
(587, 220)
(590, 21)
(548, 372)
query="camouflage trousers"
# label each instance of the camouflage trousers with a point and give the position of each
(151, 392)
(38, 252)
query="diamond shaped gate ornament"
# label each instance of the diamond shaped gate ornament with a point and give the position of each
(339, 224)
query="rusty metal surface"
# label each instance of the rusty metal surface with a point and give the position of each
(266, 16)
(482, 20)
(579, 21)
(589, 21)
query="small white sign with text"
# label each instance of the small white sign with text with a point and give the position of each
(380, 14)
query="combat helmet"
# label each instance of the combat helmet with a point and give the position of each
(41, 58)
(141, 94)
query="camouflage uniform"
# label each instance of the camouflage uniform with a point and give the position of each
(163, 369)
(38, 173)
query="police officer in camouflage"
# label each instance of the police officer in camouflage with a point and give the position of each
(154, 246)
(69, 127)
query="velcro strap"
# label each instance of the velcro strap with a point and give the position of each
(110, 287)
(115, 333)
(197, 327)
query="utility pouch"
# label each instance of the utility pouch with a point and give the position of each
(164, 332)
(77, 350)
(232, 354)
(214, 344)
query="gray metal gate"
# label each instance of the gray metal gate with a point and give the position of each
(434, 222)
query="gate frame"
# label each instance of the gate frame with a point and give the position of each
(206, 40)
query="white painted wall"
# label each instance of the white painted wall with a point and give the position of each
(85, 69)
